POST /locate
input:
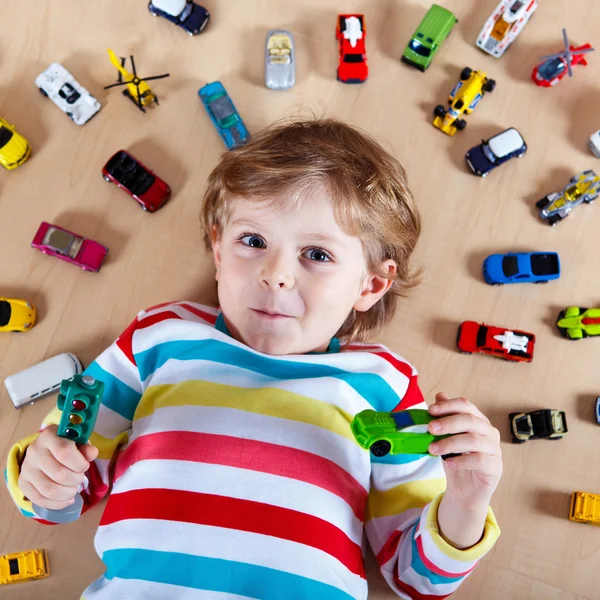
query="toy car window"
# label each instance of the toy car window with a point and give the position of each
(353, 58)
(481, 336)
(58, 239)
(488, 153)
(5, 136)
(417, 47)
(430, 40)
(551, 68)
(573, 192)
(69, 93)
(402, 419)
(509, 266)
(516, 6)
(187, 11)
(522, 425)
(13, 566)
(5, 312)
(222, 108)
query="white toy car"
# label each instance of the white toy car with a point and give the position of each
(504, 25)
(594, 143)
(67, 93)
(37, 381)
(280, 60)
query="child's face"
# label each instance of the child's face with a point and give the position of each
(289, 277)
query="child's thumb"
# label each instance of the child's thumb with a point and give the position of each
(89, 452)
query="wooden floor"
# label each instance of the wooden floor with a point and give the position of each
(155, 258)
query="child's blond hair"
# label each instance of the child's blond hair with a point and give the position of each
(367, 185)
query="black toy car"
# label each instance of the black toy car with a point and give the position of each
(189, 16)
(548, 424)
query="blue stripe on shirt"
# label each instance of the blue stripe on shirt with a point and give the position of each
(216, 575)
(417, 564)
(118, 396)
(373, 388)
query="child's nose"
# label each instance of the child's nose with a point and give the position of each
(276, 275)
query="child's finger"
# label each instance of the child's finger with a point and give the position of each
(486, 464)
(89, 452)
(56, 471)
(465, 442)
(67, 454)
(463, 423)
(455, 405)
(31, 492)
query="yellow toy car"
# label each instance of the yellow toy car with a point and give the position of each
(576, 323)
(16, 315)
(463, 99)
(14, 148)
(585, 508)
(23, 566)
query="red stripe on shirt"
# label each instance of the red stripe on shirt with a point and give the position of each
(96, 490)
(235, 513)
(212, 319)
(412, 396)
(435, 569)
(389, 548)
(242, 453)
(399, 365)
(157, 318)
(124, 341)
(414, 594)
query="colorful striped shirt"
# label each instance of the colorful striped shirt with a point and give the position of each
(234, 474)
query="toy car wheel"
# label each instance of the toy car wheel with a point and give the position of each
(540, 282)
(552, 221)
(589, 200)
(190, 33)
(552, 439)
(460, 124)
(541, 204)
(43, 92)
(144, 208)
(489, 85)
(439, 111)
(380, 448)
(106, 178)
(465, 74)
(497, 283)
(517, 441)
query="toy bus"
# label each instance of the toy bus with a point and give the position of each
(585, 508)
(24, 566)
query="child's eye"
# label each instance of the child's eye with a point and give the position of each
(318, 255)
(252, 240)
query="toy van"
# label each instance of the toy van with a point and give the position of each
(433, 30)
(585, 508)
(23, 566)
(35, 382)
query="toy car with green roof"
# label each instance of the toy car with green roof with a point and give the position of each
(400, 432)
(429, 35)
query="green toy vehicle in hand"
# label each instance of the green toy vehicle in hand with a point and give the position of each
(401, 432)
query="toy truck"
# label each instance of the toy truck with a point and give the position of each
(542, 424)
(585, 508)
(23, 566)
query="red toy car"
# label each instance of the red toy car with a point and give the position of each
(87, 254)
(137, 180)
(351, 33)
(496, 341)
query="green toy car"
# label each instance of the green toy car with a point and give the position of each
(433, 30)
(401, 432)
(79, 400)
(575, 323)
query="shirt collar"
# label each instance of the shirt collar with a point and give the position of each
(333, 348)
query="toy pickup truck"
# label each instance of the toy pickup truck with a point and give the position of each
(546, 424)
(521, 267)
(585, 508)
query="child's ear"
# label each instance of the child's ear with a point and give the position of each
(374, 287)
(215, 240)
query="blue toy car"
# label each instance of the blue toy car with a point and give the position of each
(497, 150)
(224, 115)
(521, 267)
(189, 16)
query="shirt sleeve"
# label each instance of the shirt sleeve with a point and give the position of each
(402, 527)
(117, 368)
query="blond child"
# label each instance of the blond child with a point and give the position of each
(224, 434)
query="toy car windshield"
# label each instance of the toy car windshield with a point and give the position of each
(5, 136)
(223, 111)
(5, 312)
(415, 46)
(279, 49)
(62, 242)
(522, 425)
(68, 93)
(509, 266)
(353, 58)
(551, 69)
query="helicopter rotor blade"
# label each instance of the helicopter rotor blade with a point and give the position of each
(106, 87)
(565, 39)
(117, 64)
(133, 65)
(582, 51)
(552, 56)
(155, 77)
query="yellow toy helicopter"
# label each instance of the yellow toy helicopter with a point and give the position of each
(138, 91)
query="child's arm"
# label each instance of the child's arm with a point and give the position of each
(416, 556)
(116, 367)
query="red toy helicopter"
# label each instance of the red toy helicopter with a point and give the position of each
(556, 66)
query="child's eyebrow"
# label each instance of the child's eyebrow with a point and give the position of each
(246, 222)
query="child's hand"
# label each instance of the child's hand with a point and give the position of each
(473, 477)
(53, 468)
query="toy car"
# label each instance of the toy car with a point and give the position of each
(150, 191)
(488, 155)
(401, 432)
(511, 345)
(191, 17)
(585, 508)
(545, 424)
(39, 380)
(504, 25)
(70, 96)
(280, 60)
(583, 188)
(576, 323)
(594, 143)
(59, 242)
(463, 99)
(24, 566)
(16, 315)
(224, 115)
(597, 410)
(428, 37)
(14, 148)
(521, 267)
(350, 33)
